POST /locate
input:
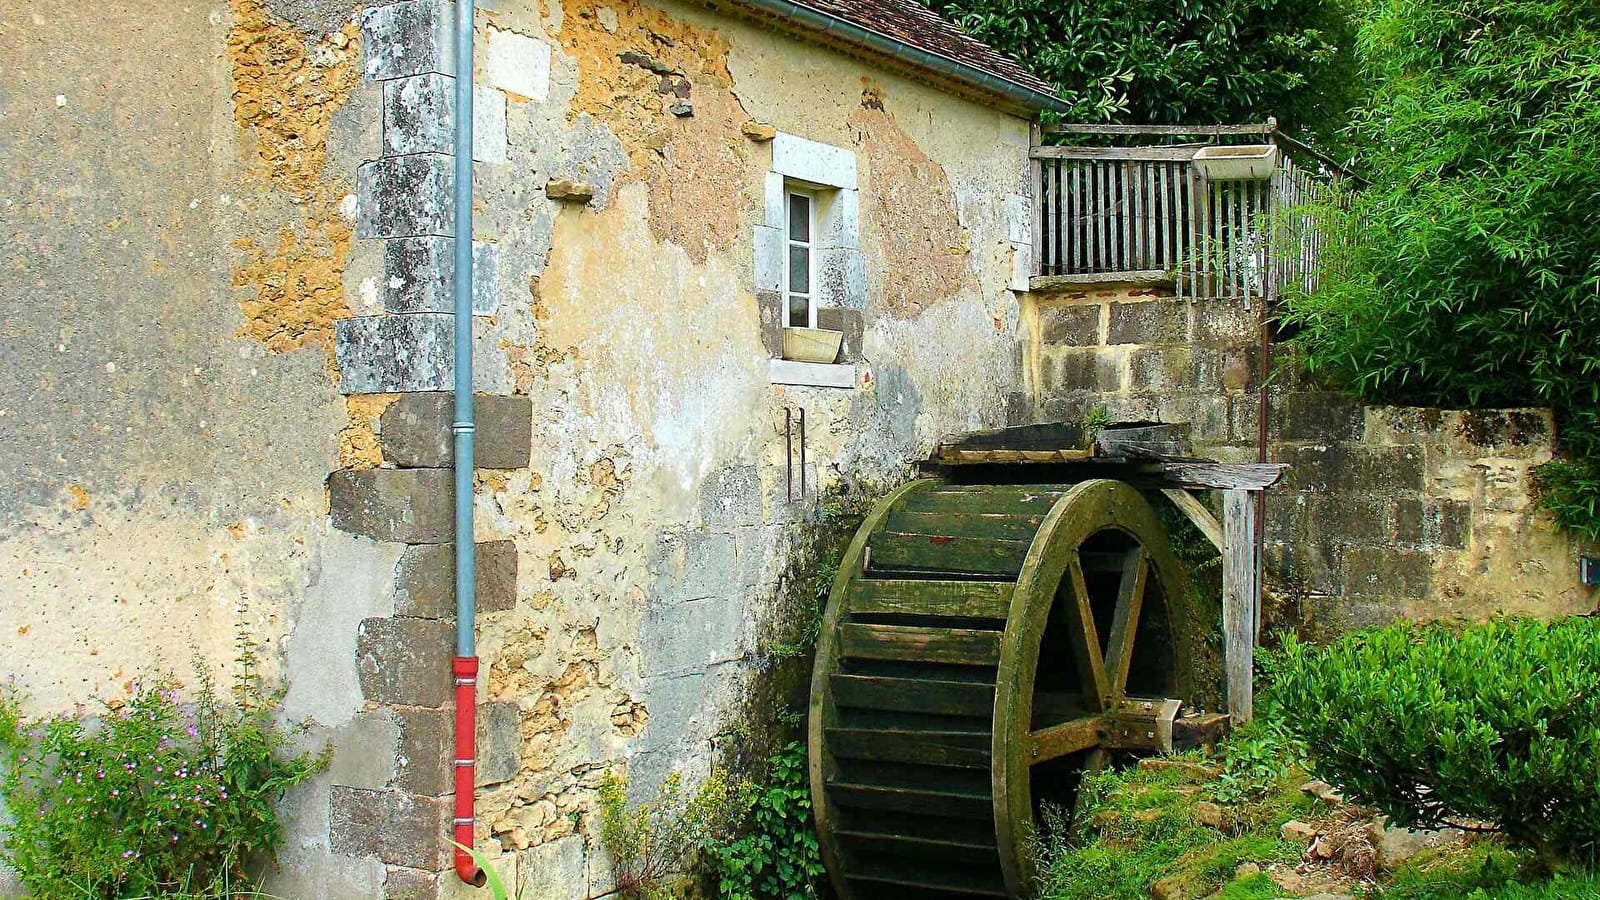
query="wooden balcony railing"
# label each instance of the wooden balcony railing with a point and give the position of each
(1147, 212)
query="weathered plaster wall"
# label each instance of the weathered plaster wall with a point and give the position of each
(177, 243)
(1385, 512)
(651, 521)
(210, 310)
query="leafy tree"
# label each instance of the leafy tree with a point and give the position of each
(1183, 62)
(1469, 271)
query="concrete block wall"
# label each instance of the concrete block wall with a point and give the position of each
(1385, 512)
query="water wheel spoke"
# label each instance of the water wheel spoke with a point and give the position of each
(1125, 621)
(1064, 739)
(1086, 640)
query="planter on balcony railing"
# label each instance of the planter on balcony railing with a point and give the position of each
(1249, 162)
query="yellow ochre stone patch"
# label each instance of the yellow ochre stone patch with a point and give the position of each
(662, 86)
(285, 92)
(912, 199)
(78, 497)
(358, 441)
(299, 283)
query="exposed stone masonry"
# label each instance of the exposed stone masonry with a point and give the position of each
(1384, 512)
(406, 494)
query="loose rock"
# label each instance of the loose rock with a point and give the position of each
(1175, 888)
(1322, 791)
(1209, 814)
(1397, 845)
(759, 131)
(1297, 832)
(567, 189)
(1189, 770)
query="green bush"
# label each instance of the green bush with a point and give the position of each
(777, 858)
(1199, 61)
(1467, 273)
(1435, 724)
(154, 799)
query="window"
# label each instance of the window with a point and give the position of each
(800, 260)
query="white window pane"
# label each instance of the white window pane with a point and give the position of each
(799, 312)
(800, 218)
(799, 269)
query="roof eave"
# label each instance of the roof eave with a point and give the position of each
(1014, 97)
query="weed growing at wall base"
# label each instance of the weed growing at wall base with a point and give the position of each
(152, 799)
(777, 857)
(653, 845)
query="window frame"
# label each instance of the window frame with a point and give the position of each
(790, 191)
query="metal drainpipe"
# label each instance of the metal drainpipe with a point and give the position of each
(465, 665)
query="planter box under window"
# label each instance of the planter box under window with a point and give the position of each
(813, 345)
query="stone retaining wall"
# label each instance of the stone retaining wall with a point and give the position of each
(1385, 511)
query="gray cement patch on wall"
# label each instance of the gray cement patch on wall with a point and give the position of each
(352, 580)
(313, 15)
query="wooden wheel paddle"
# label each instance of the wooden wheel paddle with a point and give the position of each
(985, 646)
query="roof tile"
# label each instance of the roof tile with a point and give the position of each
(913, 24)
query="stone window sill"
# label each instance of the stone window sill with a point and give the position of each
(834, 375)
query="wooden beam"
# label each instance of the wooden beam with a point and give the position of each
(1084, 639)
(1060, 740)
(1190, 506)
(1057, 284)
(1143, 441)
(1178, 130)
(1241, 598)
(952, 457)
(1201, 729)
(1137, 154)
(1125, 620)
(1223, 476)
(1047, 436)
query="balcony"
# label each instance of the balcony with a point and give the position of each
(1221, 217)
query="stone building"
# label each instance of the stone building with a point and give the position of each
(225, 308)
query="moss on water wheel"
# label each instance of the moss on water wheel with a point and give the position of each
(984, 646)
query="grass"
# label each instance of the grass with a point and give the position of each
(1483, 871)
(1144, 827)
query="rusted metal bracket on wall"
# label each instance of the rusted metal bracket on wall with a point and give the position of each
(793, 417)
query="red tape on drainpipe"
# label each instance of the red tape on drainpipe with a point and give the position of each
(466, 672)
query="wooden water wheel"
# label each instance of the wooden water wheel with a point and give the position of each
(984, 646)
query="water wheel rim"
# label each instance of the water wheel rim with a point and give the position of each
(851, 564)
(1089, 508)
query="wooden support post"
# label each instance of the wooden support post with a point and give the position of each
(1241, 599)
(1036, 197)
